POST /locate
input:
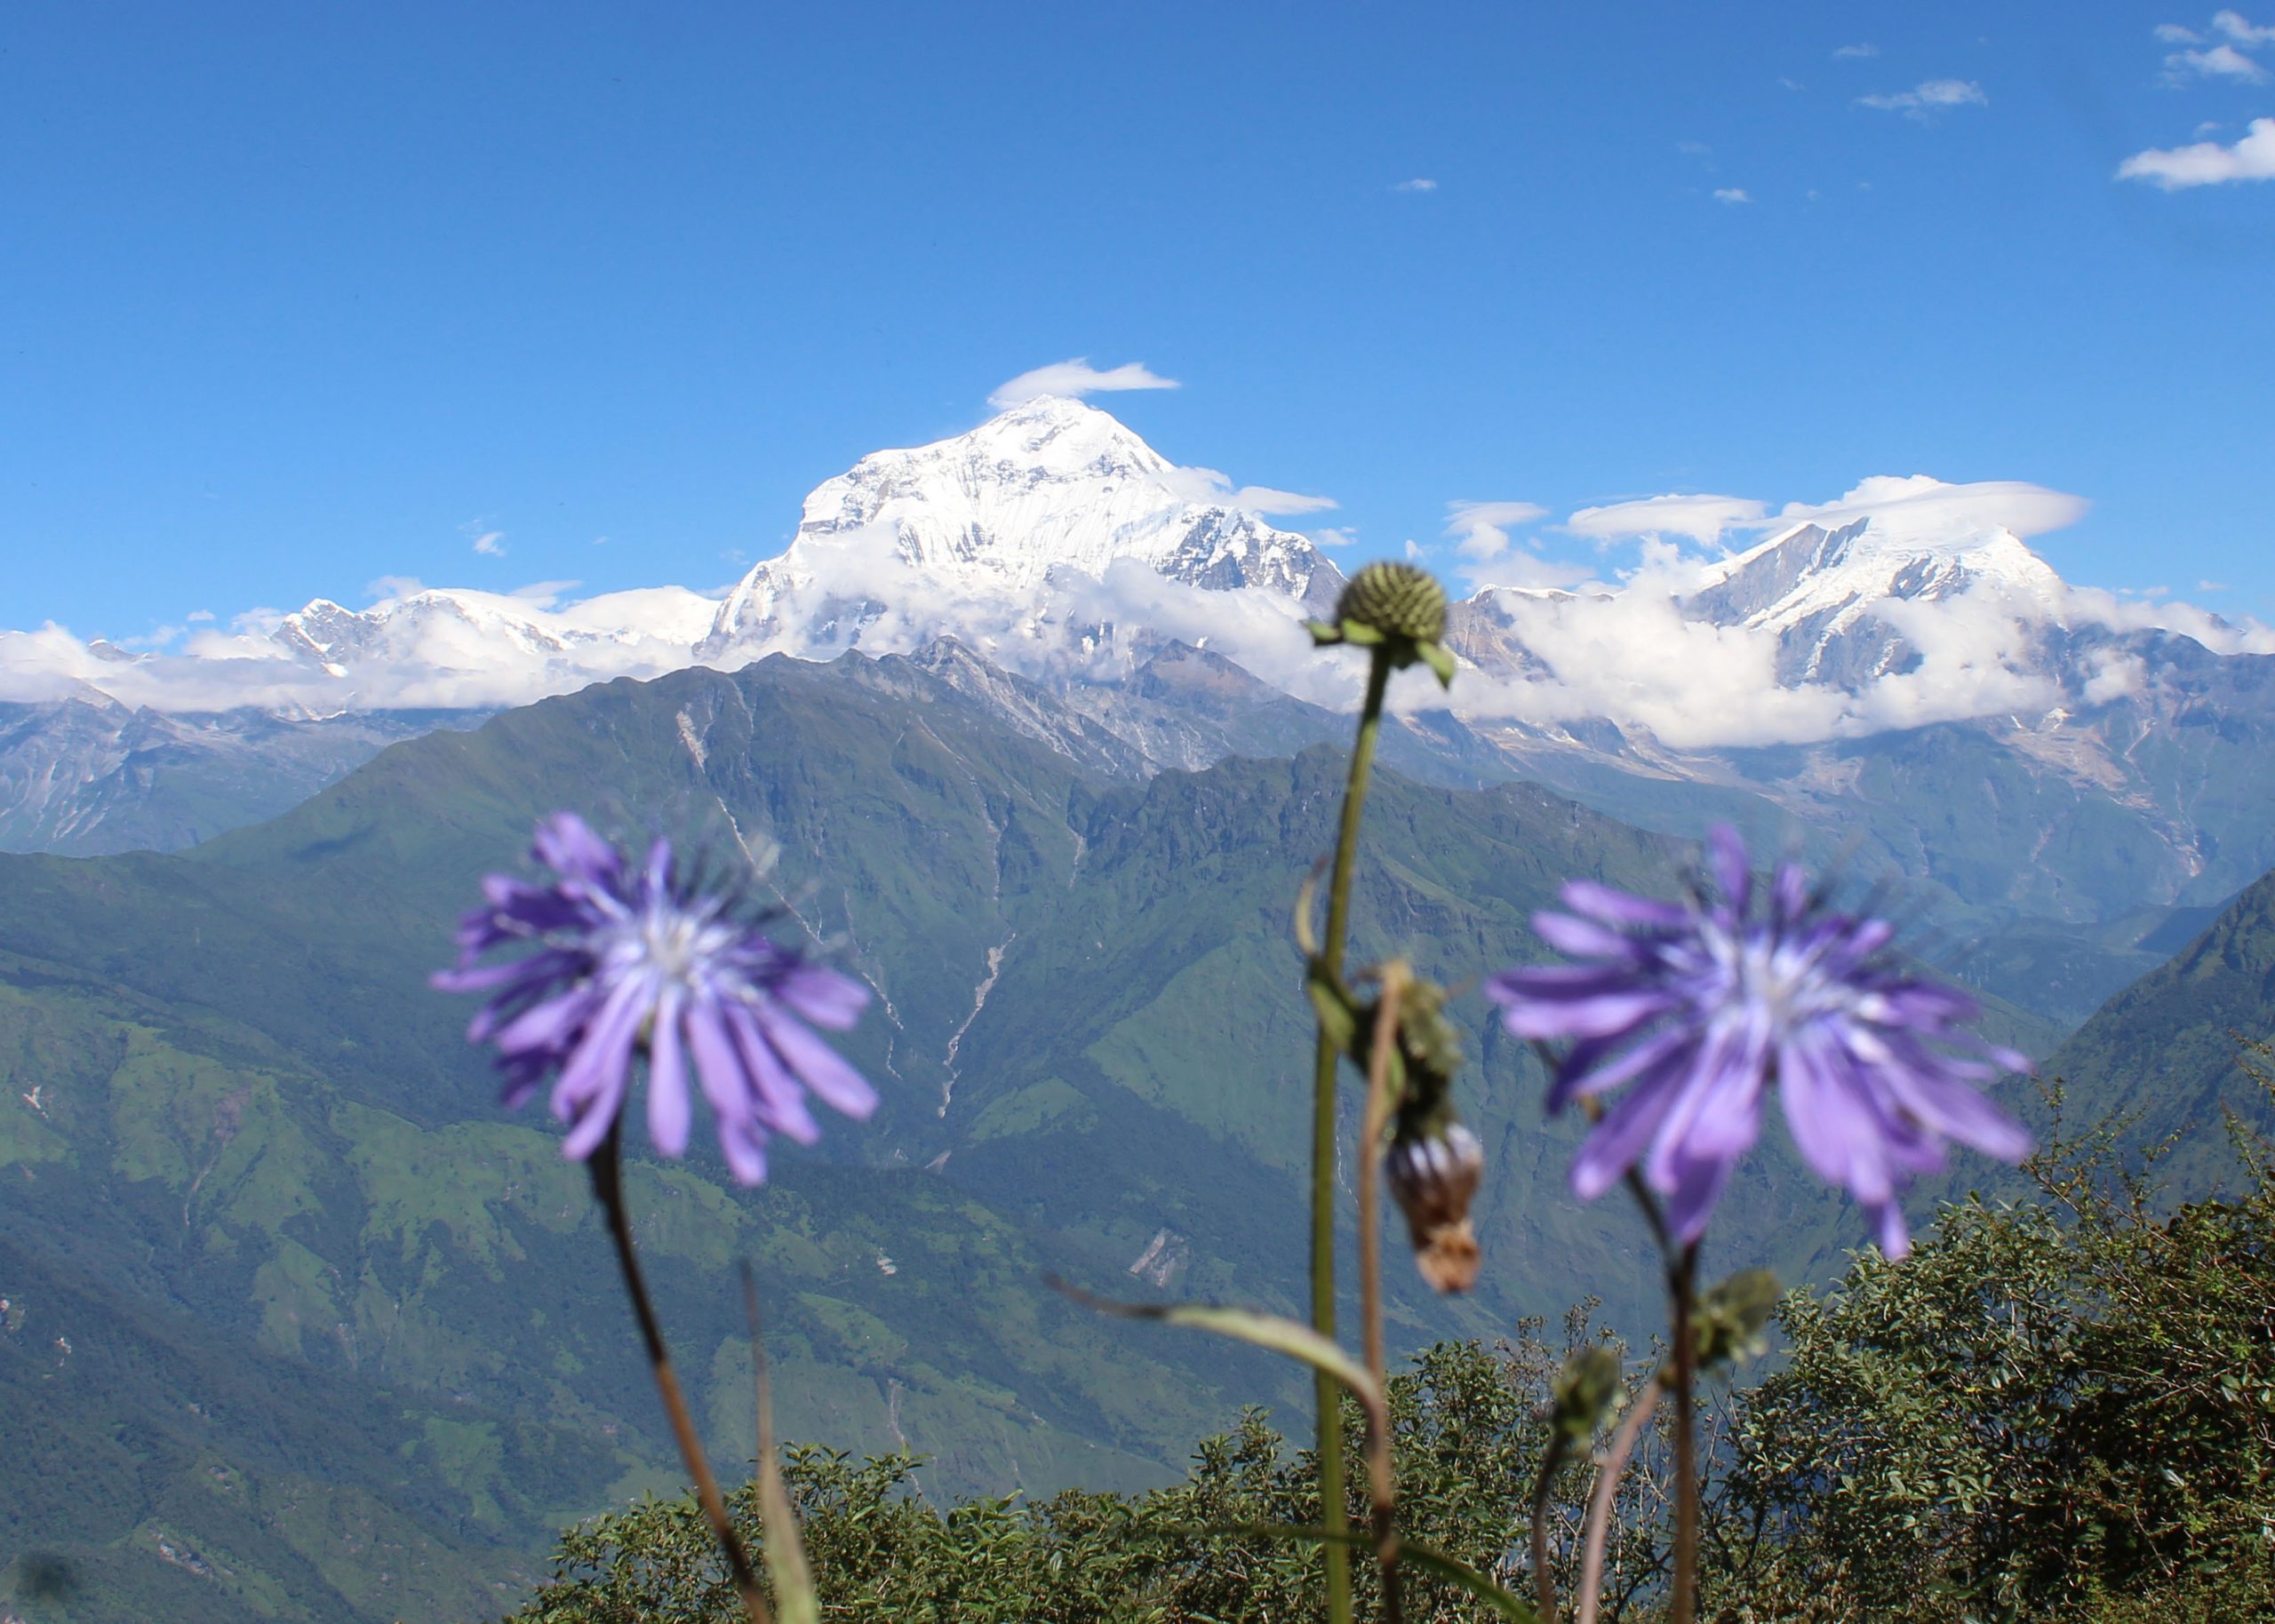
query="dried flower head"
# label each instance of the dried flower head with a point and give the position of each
(1701, 1006)
(1433, 1176)
(626, 960)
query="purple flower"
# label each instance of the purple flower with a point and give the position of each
(1700, 1007)
(628, 961)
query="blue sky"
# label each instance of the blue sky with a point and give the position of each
(292, 299)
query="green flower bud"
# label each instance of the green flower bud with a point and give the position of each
(1584, 1390)
(1730, 1317)
(1396, 600)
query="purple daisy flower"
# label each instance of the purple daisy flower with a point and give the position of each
(1700, 1007)
(627, 961)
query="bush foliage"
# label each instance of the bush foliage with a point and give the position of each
(2060, 1409)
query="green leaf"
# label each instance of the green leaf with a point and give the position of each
(1439, 658)
(1360, 632)
(1433, 1562)
(794, 1601)
(1322, 633)
(1266, 1331)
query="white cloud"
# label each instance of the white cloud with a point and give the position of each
(2220, 62)
(2207, 163)
(196, 617)
(1481, 528)
(1420, 183)
(1731, 194)
(1918, 507)
(2173, 34)
(2232, 25)
(1211, 489)
(1924, 101)
(491, 543)
(1076, 378)
(1330, 536)
(2211, 586)
(1854, 53)
(1702, 519)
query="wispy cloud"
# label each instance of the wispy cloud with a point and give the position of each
(1928, 98)
(1211, 489)
(2206, 163)
(2232, 25)
(1330, 536)
(1855, 52)
(1076, 378)
(1420, 183)
(1732, 195)
(2222, 61)
(1702, 519)
(491, 543)
(1920, 507)
(1481, 528)
(198, 617)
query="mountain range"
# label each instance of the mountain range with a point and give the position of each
(2048, 773)
(275, 1267)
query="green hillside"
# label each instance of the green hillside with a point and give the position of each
(245, 1151)
(2168, 1046)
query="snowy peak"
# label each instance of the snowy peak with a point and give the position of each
(1050, 487)
(1833, 599)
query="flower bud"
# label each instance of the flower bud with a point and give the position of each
(1396, 600)
(1433, 1177)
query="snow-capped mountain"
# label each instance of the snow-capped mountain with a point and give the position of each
(1825, 593)
(1903, 643)
(995, 535)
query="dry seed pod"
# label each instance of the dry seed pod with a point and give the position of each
(1434, 1178)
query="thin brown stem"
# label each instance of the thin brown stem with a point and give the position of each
(608, 1189)
(1543, 1581)
(1682, 1280)
(1607, 1490)
(1382, 1476)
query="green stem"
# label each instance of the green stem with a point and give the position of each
(1682, 1285)
(608, 1189)
(1544, 1580)
(1335, 1510)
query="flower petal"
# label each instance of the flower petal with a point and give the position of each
(668, 1109)
(822, 1068)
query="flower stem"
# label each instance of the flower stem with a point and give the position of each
(1543, 1581)
(1381, 1464)
(608, 1190)
(1334, 1511)
(1682, 1286)
(1607, 1490)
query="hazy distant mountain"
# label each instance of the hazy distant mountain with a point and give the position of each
(86, 776)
